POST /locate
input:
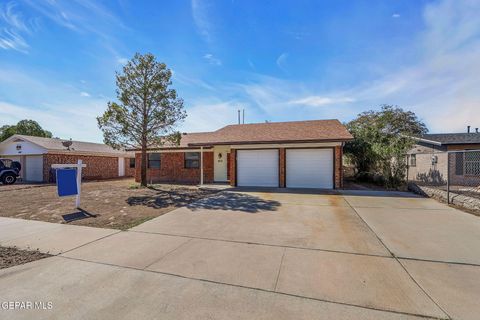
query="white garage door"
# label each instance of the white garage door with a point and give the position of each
(34, 168)
(309, 168)
(257, 168)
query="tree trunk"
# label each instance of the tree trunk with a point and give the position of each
(143, 165)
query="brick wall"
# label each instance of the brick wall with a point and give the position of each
(233, 167)
(129, 172)
(338, 167)
(282, 155)
(98, 167)
(172, 169)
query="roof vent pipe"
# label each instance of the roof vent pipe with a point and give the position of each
(468, 129)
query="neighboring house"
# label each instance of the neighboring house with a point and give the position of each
(428, 159)
(37, 155)
(299, 154)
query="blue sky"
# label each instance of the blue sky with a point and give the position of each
(278, 60)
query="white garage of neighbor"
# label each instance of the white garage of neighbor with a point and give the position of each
(37, 154)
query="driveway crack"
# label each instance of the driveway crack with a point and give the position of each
(166, 254)
(279, 269)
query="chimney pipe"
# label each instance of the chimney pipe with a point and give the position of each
(243, 116)
(468, 129)
(238, 116)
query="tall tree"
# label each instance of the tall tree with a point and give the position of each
(147, 111)
(25, 127)
(382, 139)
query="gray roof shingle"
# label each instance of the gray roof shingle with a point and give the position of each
(453, 138)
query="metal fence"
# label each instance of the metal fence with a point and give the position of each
(456, 172)
(463, 173)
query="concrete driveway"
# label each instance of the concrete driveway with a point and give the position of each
(267, 255)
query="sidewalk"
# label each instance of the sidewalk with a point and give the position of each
(47, 237)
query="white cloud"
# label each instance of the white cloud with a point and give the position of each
(396, 15)
(84, 94)
(212, 59)
(212, 114)
(442, 87)
(282, 60)
(57, 106)
(201, 18)
(14, 25)
(318, 101)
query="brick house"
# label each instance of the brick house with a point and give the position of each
(298, 154)
(428, 159)
(37, 154)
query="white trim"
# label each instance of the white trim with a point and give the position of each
(173, 150)
(429, 141)
(87, 153)
(286, 145)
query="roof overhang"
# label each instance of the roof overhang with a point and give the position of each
(427, 141)
(211, 144)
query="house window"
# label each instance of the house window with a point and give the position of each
(154, 160)
(413, 160)
(192, 159)
(132, 163)
(472, 163)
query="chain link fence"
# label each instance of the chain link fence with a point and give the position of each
(464, 173)
(454, 172)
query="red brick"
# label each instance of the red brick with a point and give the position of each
(338, 167)
(172, 169)
(98, 167)
(233, 167)
(282, 154)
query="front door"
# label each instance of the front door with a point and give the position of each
(220, 164)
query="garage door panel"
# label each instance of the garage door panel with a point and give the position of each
(257, 168)
(34, 168)
(309, 168)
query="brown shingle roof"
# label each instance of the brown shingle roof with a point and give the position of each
(272, 132)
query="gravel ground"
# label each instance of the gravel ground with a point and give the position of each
(118, 204)
(10, 257)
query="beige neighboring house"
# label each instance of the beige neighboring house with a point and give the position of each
(37, 154)
(428, 159)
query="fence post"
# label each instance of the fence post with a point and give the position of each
(448, 177)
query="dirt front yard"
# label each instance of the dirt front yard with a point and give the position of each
(10, 257)
(118, 204)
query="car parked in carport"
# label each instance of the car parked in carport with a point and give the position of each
(9, 171)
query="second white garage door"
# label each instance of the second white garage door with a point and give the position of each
(257, 168)
(309, 168)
